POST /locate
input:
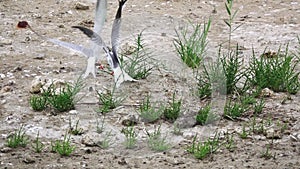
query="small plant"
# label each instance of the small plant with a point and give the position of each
(232, 64)
(107, 141)
(109, 100)
(205, 116)
(230, 20)
(277, 74)
(244, 133)
(65, 99)
(233, 110)
(75, 130)
(258, 107)
(148, 112)
(18, 139)
(172, 112)
(229, 142)
(211, 80)
(38, 145)
(63, 147)
(100, 126)
(156, 141)
(38, 103)
(191, 48)
(203, 149)
(177, 129)
(131, 137)
(267, 154)
(141, 62)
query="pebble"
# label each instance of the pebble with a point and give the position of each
(273, 134)
(73, 112)
(5, 150)
(81, 6)
(2, 76)
(266, 92)
(28, 159)
(6, 89)
(36, 85)
(5, 42)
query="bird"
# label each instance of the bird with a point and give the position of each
(112, 57)
(93, 53)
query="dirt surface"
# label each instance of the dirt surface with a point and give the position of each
(24, 56)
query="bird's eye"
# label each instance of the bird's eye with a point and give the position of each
(22, 24)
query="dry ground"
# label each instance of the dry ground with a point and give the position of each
(265, 24)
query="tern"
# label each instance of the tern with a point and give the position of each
(93, 53)
(112, 56)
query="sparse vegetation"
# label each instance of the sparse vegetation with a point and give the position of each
(156, 141)
(61, 99)
(38, 145)
(63, 147)
(38, 103)
(205, 116)
(172, 111)
(192, 47)
(140, 63)
(234, 110)
(109, 100)
(75, 130)
(107, 140)
(148, 112)
(18, 139)
(277, 73)
(203, 149)
(131, 137)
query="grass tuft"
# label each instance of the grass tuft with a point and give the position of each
(63, 147)
(192, 47)
(18, 139)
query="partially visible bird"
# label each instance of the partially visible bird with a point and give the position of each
(93, 53)
(112, 56)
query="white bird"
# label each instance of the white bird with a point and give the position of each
(93, 53)
(112, 56)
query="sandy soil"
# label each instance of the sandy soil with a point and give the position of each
(266, 24)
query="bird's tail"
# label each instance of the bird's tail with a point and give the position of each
(121, 76)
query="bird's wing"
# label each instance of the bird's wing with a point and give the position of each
(101, 8)
(115, 33)
(77, 48)
(93, 36)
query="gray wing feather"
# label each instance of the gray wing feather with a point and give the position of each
(87, 52)
(115, 34)
(101, 10)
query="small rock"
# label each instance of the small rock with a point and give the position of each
(266, 92)
(36, 85)
(40, 56)
(90, 139)
(122, 161)
(28, 159)
(6, 89)
(5, 150)
(130, 120)
(5, 42)
(2, 76)
(81, 6)
(273, 134)
(73, 112)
